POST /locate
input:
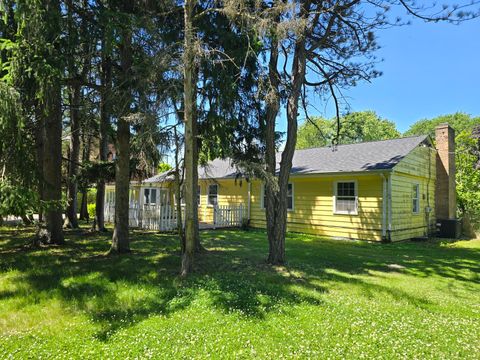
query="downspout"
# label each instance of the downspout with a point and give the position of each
(389, 207)
(384, 207)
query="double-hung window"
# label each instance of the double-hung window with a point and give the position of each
(149, 196)
(213, 194)
(289, 197)
(415, 199)
(345, 199)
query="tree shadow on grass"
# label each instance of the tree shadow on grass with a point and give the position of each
(310, 253)
(318, 260)
(436, 257)
(118, 291)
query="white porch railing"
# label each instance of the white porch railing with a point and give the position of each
(134, 215)
(109, 213)
(164, 217)
(159, 217)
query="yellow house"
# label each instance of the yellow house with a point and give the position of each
(381, 190)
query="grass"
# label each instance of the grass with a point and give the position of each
(334, 299)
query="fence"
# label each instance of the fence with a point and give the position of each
(224, 216)
(149, 217)
(164, 217)
(109, 213)
(159, 217)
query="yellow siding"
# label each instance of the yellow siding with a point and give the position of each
(313, 208)
(314, 201)
(230, 192)
(416, 168)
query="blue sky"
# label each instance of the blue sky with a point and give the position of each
(428, 70)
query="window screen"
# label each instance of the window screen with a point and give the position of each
(150, 196)
(415, 198)
(290, 197)
(346, 199)
(213, 194)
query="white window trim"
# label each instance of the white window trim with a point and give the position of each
(262, 198)
(335, 198)
(417, 185)
(157, 196)
(293, 197)
(208, 195)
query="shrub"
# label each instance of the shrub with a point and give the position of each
(91, 211)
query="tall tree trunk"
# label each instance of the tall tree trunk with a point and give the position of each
(40, 150)
(51, 111)
(277, 253)
(84, 206)
(104, 124)
(72, 188)
(52, 163)
(178, 191)
(120, 240)
(191, 175)
(198, 246)
(273, 106)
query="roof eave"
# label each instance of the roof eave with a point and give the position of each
(329, 173)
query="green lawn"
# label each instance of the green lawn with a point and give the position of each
(335, 299)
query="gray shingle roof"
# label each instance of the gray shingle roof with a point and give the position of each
(367, 156)
(165, 176)
(360, 157)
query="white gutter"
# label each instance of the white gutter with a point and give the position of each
(389, 209)
(384, 206)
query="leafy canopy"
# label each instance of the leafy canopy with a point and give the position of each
(458, 121)
(466, 157)
(354, 127)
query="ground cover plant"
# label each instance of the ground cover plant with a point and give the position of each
(334, 299)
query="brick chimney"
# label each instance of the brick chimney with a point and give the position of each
(445, 192)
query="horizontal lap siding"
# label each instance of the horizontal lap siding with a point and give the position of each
(313, 208)
(230, 193)
(416, 168)
(313, 201)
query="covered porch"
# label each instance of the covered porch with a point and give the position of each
(155, 208)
